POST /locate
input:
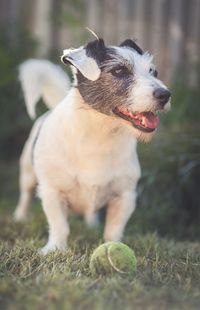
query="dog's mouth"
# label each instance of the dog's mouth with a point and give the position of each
(146, 121)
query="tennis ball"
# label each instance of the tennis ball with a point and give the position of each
(113, 257)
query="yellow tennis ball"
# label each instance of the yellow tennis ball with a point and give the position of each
(113, 257)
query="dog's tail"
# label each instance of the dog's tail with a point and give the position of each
(41, 78)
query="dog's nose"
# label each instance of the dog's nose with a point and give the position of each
(162, 95)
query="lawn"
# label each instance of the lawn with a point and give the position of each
(167, 276)
(164, 235)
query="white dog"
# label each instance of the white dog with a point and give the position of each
(83, 153)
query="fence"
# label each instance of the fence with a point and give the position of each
(167, 28)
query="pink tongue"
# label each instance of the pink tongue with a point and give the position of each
(151, 121)
(146, 119)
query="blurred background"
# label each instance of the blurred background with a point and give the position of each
(169, 195)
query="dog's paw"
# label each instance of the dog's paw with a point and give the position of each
(46, 249)
(50, 247)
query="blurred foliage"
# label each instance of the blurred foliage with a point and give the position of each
(72, 14)
(13, 118)
(169, 199)
(169, 188)
(69, 14)
(186, 107)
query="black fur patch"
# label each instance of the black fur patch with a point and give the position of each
(106, 93)
(130, 43)
(97, 50)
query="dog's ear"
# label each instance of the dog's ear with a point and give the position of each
(130, 43)
(97, 50)
(83, 60)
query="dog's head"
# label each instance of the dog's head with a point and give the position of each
(120, 81)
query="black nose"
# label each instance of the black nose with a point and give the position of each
(162, 95)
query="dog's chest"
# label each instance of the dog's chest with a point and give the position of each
(89, 162)
(83, 197)
(96, 177)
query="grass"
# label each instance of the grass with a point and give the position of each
(168, 272)
(167, 276)
(164, 232)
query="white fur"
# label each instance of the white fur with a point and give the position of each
(141, 98)
(86, 65)
(41, 78)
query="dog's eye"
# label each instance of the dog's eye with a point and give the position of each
(120, 72)
(153, 72)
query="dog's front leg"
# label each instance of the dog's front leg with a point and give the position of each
(55, 210)
(118, 212)
(92, 219)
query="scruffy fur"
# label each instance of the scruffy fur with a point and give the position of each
(83, 155)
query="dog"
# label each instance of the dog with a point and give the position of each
(82, 154)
